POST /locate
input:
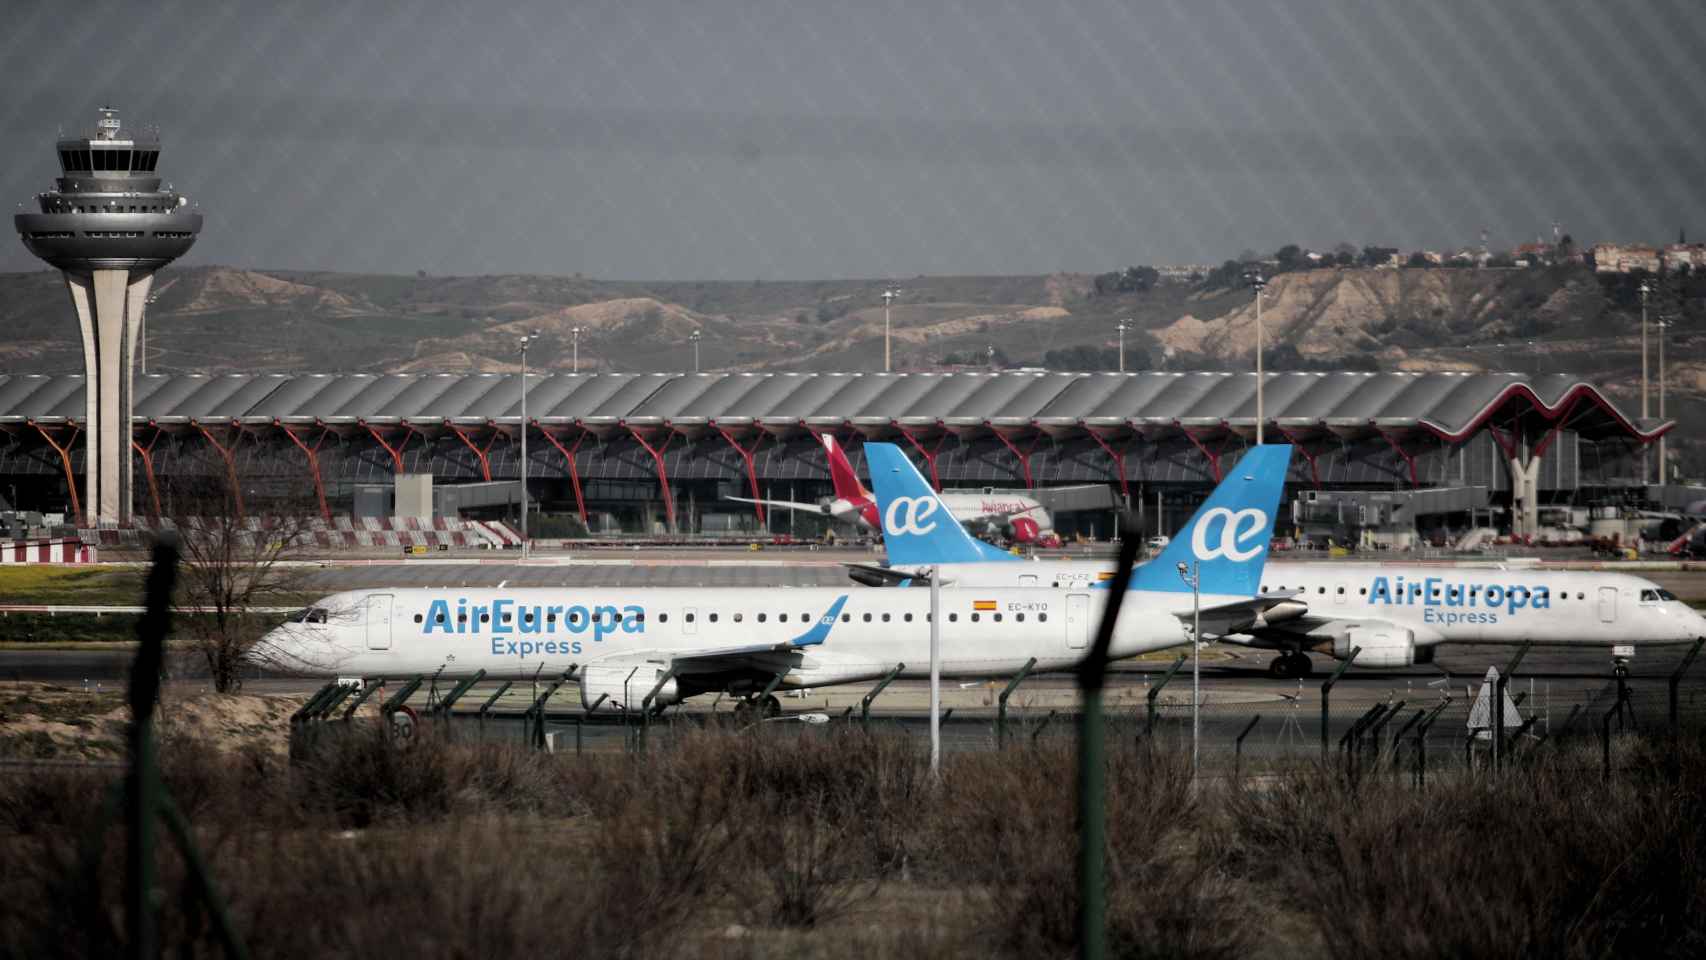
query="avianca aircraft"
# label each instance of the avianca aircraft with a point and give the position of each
(1015, 516)
(684, 642)
(1396, 613)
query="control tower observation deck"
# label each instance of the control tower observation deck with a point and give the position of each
(108, 226)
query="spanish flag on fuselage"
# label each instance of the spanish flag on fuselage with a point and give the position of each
(983, 604)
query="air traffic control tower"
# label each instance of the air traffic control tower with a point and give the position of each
(107, 227)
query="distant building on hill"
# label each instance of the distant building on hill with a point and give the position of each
(1184, 272)
(1624, 258)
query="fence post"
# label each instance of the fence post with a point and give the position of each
(366, 691)
(1155, 691)
(1327, 692)
(1675, 681)
(1001, 702)
(646, 704)
(1422, 741)
(390, 707)
(1380, 724)
(1498, 705)
(490, 701)
(1398, 738)
(865, 704)
(1238, 748)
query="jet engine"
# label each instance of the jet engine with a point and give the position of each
(1025, 530)
(1383, 645)
(623, 687)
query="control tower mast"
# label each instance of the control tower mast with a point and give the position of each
(108, 226)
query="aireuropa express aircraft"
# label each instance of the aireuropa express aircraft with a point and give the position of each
(1016, 516)
(1396, 613)
(625, 642)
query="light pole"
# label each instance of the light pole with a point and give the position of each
(1664, 332)
(1258, 283)
(935, 672)
(1646, 292)
(695, 336)
(1124, 325)
(575, 332)
(1192, 575)
(525, 342)
(888, 299)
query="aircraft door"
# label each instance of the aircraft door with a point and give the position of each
(689, 626)
(1077, 620)
(1607, 604)
(378, 621)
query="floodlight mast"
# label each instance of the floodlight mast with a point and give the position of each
(1258, 283)
(889, 296)
(526, 341)
(1192, 575)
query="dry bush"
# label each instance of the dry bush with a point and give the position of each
(1547, 861)
(1012, 820)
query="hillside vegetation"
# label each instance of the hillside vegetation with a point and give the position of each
(221, 319)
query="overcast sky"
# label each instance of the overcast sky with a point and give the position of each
(804, 139)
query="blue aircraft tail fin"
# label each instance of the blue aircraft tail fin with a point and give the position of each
(1229, 534)
(918, 528)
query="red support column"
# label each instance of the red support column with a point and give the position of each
(313, 454)
(751, 470)
(65, 460)
(485, 465)
(1314, 470)
(1023, 455)
(574, 471)
(663, 475)
(1117, 457)
(1212, 455)
(395, 452)
(929, 455)
(1557, 428)
(148, 467)
(230, 466)
(1408, 458)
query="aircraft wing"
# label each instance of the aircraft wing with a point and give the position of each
(817, 508)
(730, 655)
(872, 575)
(1247, 615)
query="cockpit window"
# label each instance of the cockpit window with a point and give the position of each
(314, 615)
(1656, 594)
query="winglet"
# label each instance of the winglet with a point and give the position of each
(820, 630)
(918, 528)
(1229, 534)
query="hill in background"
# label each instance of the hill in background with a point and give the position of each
(222, 320)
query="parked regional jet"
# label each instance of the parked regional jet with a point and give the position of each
(1396, 613)
(1005, 513)
(689, 641)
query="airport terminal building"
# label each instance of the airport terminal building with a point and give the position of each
(658, 452)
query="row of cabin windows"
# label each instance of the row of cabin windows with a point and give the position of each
(574, 618)
(115, 161)
(1363, 591)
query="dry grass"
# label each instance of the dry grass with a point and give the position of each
(838, 844)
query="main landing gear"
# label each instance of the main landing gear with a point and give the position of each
(754, 709)
(1290, 666)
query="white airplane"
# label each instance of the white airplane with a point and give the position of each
(1006, 513)
(682, 642)
(1397, 613)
